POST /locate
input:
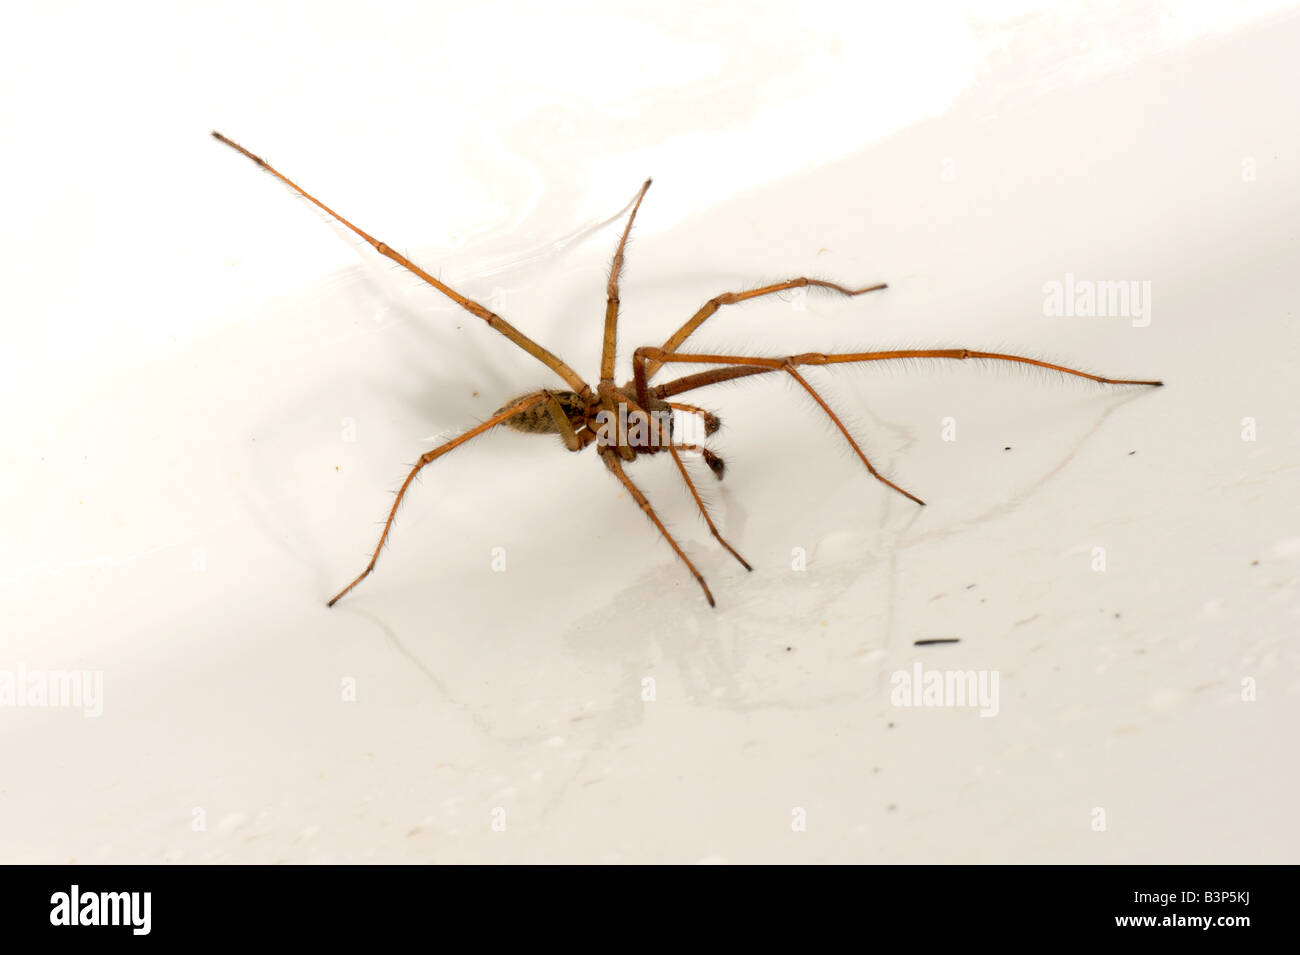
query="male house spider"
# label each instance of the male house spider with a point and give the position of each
(582, 415)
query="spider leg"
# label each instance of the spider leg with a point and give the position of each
(731, 298)
(767, 365)
(612, 461)
(742, 367)
(611, 297)
(474, 308)
(570, 437)
(848, 437)
(728, 374)
(523, 404)
(679, 386)
(677, 458)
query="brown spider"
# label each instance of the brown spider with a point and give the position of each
(636, 418)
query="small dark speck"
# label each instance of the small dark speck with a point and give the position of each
(1116, 614)
(1253, 563)
(788, 649)
(875, 769)
(892, 807)
(1132, 452)
(891, 726)
(1006, 449)
(934, 640)
(969, 586)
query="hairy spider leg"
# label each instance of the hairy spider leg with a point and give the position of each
(612, 461)
(763, 366)
(744, 367)
(704, 511)
(731, 298)
(522, 404)
(607, 352)
(474, 308)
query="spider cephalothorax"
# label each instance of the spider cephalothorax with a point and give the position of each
(637, 418)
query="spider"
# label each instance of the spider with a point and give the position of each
(636, 418)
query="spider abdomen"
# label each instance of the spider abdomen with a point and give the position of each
(538, 418)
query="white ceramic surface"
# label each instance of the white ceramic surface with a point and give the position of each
(208, 393)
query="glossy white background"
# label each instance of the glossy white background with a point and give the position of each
(186, 346)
